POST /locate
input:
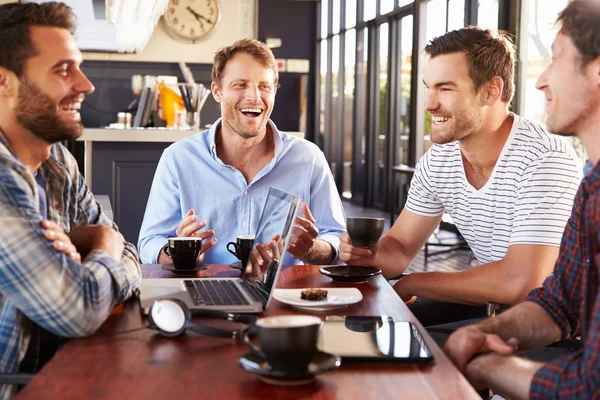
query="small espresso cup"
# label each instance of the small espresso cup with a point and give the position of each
(364, 231)
(184, 251)
(287, 342)
(242, 247)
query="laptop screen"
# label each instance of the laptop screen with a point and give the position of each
(277, 218)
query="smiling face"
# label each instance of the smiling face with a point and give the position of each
(246, 94)
(52, 87)
(570, 94)
(455, 107)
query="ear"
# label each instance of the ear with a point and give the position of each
(594, 72)
(216, 92)
(493, 90)
(8, 83)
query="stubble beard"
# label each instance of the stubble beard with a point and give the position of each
(37, 112)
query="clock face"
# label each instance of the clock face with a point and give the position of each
(191, 20)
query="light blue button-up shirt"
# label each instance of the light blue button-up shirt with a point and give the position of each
(191, 175)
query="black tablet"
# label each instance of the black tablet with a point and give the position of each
(374, 339)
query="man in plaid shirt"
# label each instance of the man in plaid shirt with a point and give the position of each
(63, 264)
(567, 305)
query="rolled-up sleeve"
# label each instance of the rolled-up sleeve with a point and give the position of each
(325, 204)
(575, 375)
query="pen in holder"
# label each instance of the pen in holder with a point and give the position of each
(194, 96)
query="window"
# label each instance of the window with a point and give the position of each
(335, 27)
(386, 6)
(370, 9)
(350, 14)
(348, 118)
(324, 18)
(405, 81)
(487, 14)
(540, 33)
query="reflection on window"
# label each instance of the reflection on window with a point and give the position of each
(323, 87)
(335, 25)
(456, 14)
(324, 17)
(349, 64)
(350, 13)
(370, 10)
(386, 6)
(487, 14)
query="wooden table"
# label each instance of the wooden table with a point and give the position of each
(144, 365)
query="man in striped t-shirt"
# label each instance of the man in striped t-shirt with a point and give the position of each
(507, 184)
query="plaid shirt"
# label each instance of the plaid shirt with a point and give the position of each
(42, 287)
(570, 296)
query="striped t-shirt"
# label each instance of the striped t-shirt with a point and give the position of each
(527, 199)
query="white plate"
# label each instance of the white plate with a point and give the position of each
(336, 298)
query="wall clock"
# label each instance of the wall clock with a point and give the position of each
(192, 20)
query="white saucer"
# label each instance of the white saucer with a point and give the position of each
(336, 298)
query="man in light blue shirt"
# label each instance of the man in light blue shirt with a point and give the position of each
(220, 178)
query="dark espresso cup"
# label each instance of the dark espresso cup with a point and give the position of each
(184, 251)
(287, 342)
(241, 248)
(364, 231)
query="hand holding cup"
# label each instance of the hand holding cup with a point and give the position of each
(359, 245)
(190, 226)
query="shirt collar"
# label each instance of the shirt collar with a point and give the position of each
(591, 182)
(277, 138)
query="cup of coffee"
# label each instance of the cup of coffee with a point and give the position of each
(364, 231)
(241, 248)
(287, 342)
(184, 251)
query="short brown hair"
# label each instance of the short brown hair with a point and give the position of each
(15, 19)
(258, 50)
(581, 22)
(488, 54)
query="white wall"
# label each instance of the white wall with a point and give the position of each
(238, 21)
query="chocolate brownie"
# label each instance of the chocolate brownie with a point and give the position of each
(313, 294)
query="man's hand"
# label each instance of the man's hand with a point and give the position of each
(467, 342)
(61, 241)
(356, 255)
(97, 237)
(262, 255)
(402, 287)
(190, 227)
(304, 234)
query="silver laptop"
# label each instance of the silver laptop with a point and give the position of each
(232, 294)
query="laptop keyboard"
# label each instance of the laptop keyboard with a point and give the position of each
(218, 292)
(261, 295)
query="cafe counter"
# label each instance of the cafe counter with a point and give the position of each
(120, 163)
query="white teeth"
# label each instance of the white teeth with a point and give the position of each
(71, 106)
(252, 110)
(439, 120)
